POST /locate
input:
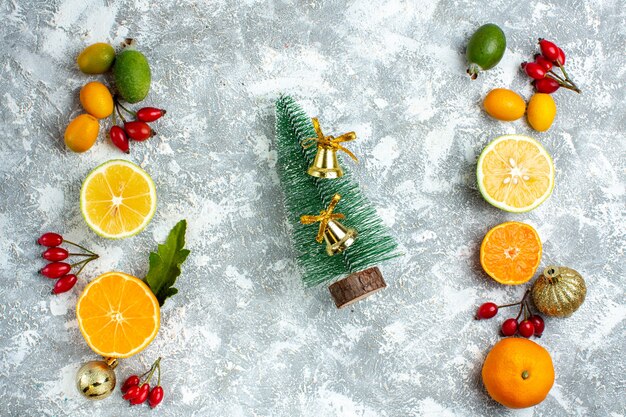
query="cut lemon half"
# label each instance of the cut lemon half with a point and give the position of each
(118, 199)
(118, 315)
(511, 252)
(515, 173)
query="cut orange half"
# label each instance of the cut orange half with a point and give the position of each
(511, 252)
(118, 315)
(118, 199)
(515, 173)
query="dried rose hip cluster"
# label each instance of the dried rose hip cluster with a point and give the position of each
(57, 269)
(137, 129)
(542, 69)
(532, 324)
(136, 389)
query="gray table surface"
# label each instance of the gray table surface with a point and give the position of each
(243, 337)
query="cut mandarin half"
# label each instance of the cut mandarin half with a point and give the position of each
(515, 173)
(511, 252)
(118, 199)
(118, 315)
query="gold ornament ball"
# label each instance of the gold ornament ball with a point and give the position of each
(95, 380)
(559, 291)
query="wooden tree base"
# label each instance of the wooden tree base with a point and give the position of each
(357, 286)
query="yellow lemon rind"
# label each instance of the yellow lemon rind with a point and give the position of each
(147, 219)
(499, 204)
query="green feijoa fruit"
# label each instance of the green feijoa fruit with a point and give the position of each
(96, 58)
(485, 49)
(132, 75)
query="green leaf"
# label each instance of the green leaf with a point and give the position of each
(165, 263)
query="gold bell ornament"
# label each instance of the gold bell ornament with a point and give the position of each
(338, 237)
(96, 379)
(325, 164)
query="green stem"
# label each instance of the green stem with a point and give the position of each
(561, 82)
(79, 246)
(573, 88)
(569, 80)
(555, 75)
(518, 303)
(85, 262)
(520, 312)
(153, 368)
(570, 87)
(510, 305)
(91, 258)
(81, 269)
(527, 312)
(565, 84)
(145, 373)
(522, 304)
(80, 263)
(80, 254)
(119, 112)
(159, 366)
(530, 312)
(132, 113)
(562, 70)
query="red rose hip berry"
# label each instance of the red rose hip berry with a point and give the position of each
(560, 57)
(131, 393)
(486, 311)
(55, 270)
(55, 254)
(142, 394)
(150, 114)
(534, 70)
(541, 60)
(130, 382)
(64, 284)
(538, 323)
(138, 130)
(526, 328)
(156, 396)
(549, 49)
(509, 327)
(119, 138)
(546, 85)
(50, 239)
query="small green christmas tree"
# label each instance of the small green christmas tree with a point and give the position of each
(305, 194)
